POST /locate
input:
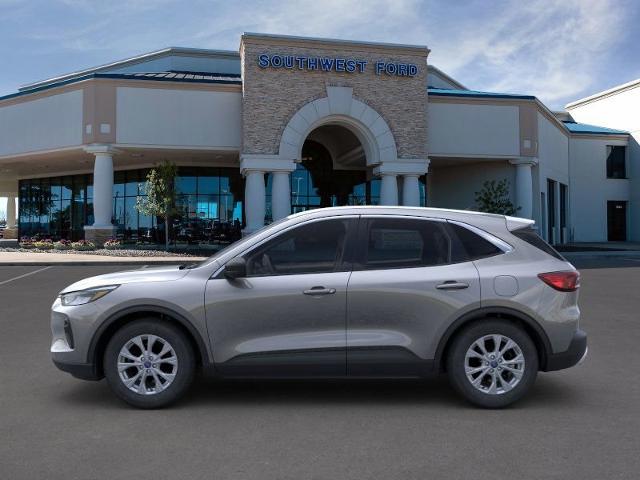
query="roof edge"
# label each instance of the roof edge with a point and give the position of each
(336, 41)
(130, 61)
(446, 76)
(116, 76)
(603, 93)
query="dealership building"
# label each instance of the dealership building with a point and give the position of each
(290, 123)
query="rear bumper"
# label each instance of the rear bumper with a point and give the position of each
(574, 354)
(83, 371)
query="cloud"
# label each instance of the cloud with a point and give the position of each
(551, 49)
(558, 50)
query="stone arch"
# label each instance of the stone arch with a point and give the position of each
(340, 108)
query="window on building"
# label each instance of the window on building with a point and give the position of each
(209, 206)
(616, 161)
(405, 243)
(315, 247)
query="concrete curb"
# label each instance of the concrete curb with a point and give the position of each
(614, 253)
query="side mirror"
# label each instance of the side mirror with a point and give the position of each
(236, 268)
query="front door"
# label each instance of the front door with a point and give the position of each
(403, 294)
(287, 317)
(617, 221)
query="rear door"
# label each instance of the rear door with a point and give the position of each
(403, 293)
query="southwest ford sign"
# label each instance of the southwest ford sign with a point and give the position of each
(331, 64)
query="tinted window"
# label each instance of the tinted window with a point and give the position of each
(616, 162)
(311, 248)
(530, 236)
(467, 245)
(404, 243)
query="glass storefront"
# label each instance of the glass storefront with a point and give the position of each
(209, 204)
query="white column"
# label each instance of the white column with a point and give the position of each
(103, 189)
(254, 199)
(524, 186)
(280, 195)
(410, 190)
(389, 189)
(11, 211)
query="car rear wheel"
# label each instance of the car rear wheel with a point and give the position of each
(492, 363)
(149, 363)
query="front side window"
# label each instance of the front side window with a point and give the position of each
(316, 247)
(405, 243)
(616, 162)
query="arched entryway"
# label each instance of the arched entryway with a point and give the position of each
(333, 151)
(333, 171)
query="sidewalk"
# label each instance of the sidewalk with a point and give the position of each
(33, 258)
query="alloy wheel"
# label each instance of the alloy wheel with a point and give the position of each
(147, 364)
(494, 364)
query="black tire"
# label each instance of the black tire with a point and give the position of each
(456, 363)
(183, 351)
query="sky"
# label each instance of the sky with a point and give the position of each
(558, 50)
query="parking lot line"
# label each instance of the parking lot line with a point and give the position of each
(25, 275)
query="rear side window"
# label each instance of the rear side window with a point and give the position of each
(530, 236)
(467, 245)
(405, 243)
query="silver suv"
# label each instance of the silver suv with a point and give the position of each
(335, 292)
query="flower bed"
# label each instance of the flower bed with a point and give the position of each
(83, 245)
(113, 244)
(62, 245)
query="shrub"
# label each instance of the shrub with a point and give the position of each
(494, 198)
(26, 242)
(62, 245)
(43, 244)
(83, 245)
(112, 244)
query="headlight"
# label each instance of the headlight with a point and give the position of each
(85, 296)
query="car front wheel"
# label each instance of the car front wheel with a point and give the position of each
(492, 363)
(149, 363)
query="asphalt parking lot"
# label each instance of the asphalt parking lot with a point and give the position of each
(582, 423)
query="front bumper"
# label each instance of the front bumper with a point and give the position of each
(576, 352)
(72, 329)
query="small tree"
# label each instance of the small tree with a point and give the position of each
(160, 193)
(494, 198)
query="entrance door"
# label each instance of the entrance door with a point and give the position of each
(551, 211)
(288, 316)
(617, 221)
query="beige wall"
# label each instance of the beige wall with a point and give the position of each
(455, 186)
(460, 129)
(272, 96)
(49, 122)
(185, 117)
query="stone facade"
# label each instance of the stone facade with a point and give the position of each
(272, 96)
(98, 235)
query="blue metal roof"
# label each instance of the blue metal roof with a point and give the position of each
(575, 127)
(173, 76)
(444, 92)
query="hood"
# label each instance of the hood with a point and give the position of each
(146, 275)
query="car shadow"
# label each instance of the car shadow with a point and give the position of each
(431, 392)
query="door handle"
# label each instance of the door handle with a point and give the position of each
(320, 291)
(452, 285)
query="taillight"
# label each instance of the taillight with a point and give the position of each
(561, 281)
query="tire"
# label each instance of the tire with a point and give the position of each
(155, 381)
(500, 381)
